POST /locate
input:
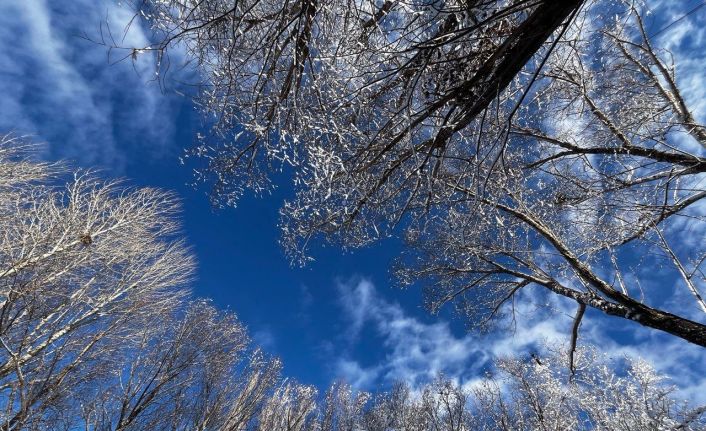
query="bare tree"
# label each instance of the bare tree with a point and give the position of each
(382, 78)
(531, 394)
(181, 374)
(540, 394)
(79, 266)
(98, 334)
(96, 329)
(343, 408)
(413, 116)
(397, 408)
(564, 196)
(291, 407)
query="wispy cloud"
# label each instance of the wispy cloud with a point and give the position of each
(417, 351)
(684, 37)
(62, 89)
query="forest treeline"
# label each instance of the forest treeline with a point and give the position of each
(98, 331)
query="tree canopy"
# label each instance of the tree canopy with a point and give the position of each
(510, 143)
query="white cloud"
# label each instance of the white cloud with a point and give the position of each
(360, 302)
(416, 351)
(684, 39)
(61, 89)
(355, 375)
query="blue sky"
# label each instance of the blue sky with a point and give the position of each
(339, 317)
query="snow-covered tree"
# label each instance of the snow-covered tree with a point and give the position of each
(539, 393)
(599, 177)
(291, 407)
(533, 393)
(80, 266)
(96, 328)
(288, 80)
(98, 333)
(411, 118)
